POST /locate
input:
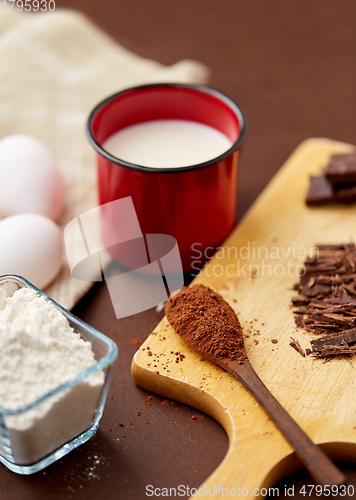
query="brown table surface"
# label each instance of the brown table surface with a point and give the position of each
(291, 65)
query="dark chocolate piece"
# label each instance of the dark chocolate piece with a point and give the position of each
(341, 246)
(345, 299)
(341, 170)
(300, 301)
(334, 345)
(299, 322)
(321, 192)
(314, 290)
(347, 336)
(331, 351)
(345, 195)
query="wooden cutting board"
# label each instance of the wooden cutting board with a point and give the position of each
(319, 396)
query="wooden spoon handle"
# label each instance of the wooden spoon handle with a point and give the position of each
(320, 467)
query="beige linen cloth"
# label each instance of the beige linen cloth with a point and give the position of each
(54, 68)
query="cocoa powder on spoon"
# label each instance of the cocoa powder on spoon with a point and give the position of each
(207, 322)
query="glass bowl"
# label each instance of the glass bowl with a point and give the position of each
(74, 408)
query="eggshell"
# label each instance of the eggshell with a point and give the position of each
(30, 181)
(31, 246)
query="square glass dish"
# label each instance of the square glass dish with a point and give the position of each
(70, 413)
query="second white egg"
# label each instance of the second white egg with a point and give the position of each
(32, 247)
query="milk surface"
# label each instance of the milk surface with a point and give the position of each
(167, 143)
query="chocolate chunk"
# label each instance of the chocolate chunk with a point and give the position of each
(300, 301)
(341, 170)
(341, 246)
(345, 195)
(299, 322)
(321, 192)
(345, 299)
(314, 290)
(347, 336)
(333, 345)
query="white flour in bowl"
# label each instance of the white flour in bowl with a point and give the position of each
(39, 351)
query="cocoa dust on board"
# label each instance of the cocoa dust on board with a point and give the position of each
(207, 323)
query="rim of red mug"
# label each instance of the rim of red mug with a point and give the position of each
(202, 88)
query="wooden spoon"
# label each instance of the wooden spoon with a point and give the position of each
(209, 325)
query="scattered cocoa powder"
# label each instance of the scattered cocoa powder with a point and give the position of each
(135, 342)
(149, 400)
(207, 323)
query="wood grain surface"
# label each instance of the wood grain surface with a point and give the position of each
(318, 395)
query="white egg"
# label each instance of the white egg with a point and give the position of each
(30, 181)
(31, 245)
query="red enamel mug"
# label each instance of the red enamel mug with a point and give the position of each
(195, 204)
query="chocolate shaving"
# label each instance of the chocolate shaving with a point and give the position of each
(299, 321)
(295, 344)
(326, 304)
